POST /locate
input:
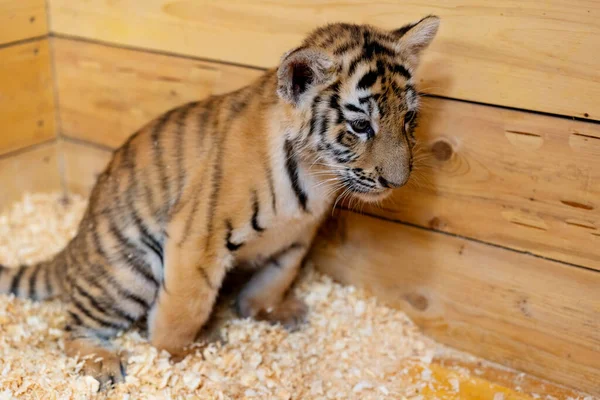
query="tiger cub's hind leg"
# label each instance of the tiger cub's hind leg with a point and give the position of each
(99, 308)
(100, 359)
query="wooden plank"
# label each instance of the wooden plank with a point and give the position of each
(32, 170)
(22, 19)
(125, 89)
(516, 179)
(532, 55)
(26, 97)
(522, 311)
(521, 180)
(82, 163)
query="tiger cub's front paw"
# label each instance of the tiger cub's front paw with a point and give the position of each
(290, 313)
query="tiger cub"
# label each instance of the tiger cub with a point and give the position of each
(239, 180)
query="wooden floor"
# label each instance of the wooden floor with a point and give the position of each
(451, 379)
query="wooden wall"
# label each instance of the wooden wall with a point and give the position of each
(492, 248)
(526, 54)
(28, 159)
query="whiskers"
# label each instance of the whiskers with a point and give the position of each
(341, 197)
(422, 170)
(327, 175)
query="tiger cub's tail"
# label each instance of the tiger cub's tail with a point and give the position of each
(39, 281)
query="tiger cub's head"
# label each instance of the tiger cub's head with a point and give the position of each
(351, 92)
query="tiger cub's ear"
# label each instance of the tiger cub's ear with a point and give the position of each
(416, 37)
(301, 70)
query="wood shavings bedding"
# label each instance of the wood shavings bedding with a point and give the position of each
(351, 348)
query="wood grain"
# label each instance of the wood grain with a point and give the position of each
(32, 170)
(526, 54)
(522, 311)
(22, 19)
(125, 89)
(26, 98)
(82, 163)
(521, 180)
(517, 179)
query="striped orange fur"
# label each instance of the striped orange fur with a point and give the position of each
(241, 180)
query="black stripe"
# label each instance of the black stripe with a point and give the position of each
(149, 241)
(324, 127)
(129, 156)
(401, 69)
(33, 282)
(334, 101)
(373, 47)
(148, 192)
(230, 245)
(344, 48)
(60, 264)
(381, 68)
(99, 306)
(70, 259)
(192, 217)
(239, 102)
(334, 87)
(14, 285)
(158, 153)
(98, 320)
(271, 188)
(98, 243)
(107, 297)
(327, 41)
(313, 118)
(401, 31)
(255, 209)
(292, 170)
(205, 277)
(352, 107)
(203, 120)
(122, 292)
(179, 147)
(354, 63)
(146, 238)
(77, 320)
(216, 183)
(367, 80)
(133, 256)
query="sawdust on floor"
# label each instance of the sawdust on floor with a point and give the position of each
(351, 348)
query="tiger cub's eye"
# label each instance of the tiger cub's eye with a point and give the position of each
(361, 126)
